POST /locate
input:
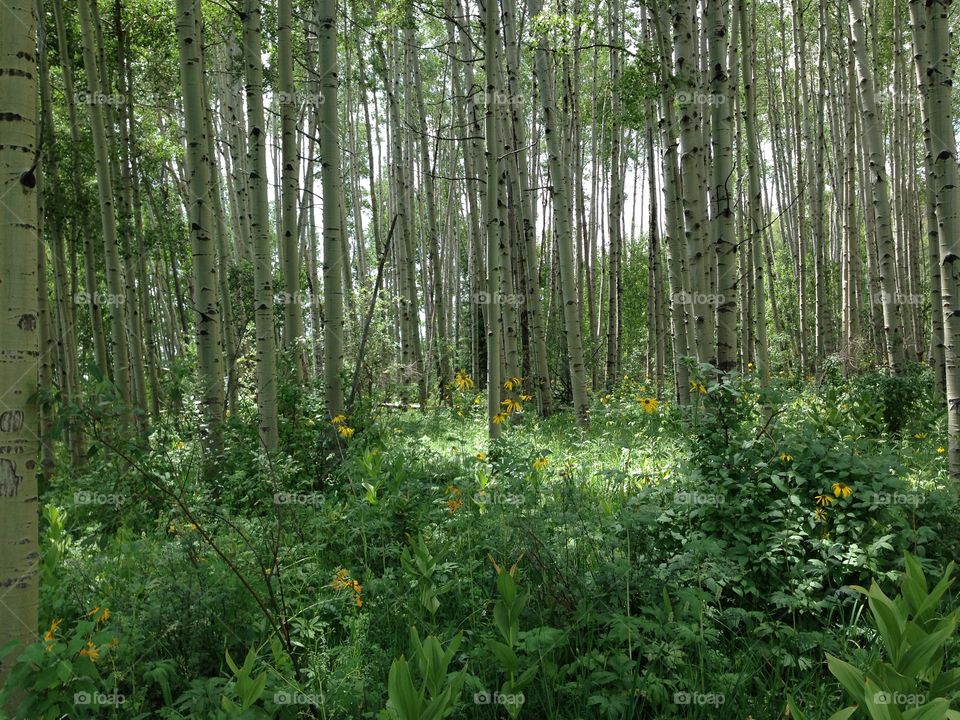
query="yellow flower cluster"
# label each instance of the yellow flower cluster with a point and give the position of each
(649, 404)
(511, 405)
(343, 581)
(512, 383)
(462, 381)
(541, 463)
(455, 502)
(90, 650)
(49, 635)
(340, 423)
(104, 614)
(840, 490)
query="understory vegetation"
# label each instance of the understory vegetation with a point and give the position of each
(668, 562)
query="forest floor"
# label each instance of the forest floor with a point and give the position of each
(666, 562)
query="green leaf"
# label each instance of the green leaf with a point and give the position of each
(933, 599)
(887, 618)
(505, 655)
(232, 664)
(918, 657)
(404, 699)
(913, 587)
(933, 710)
(843, 714)
(851, 678)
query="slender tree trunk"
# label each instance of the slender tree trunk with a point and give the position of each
(492, 218)
(205, 281)
(873, 142)
(114, 269)
(562, 228)
(19, 550)
(723, 185)
(333, 237)
(946, 185)
(292, 310)
(260, 229)
(754, 198)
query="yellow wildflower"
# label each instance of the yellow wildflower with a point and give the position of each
(511, 383)
(454, 504)
(453, 490)
(941, 450)
(842, 490)
(786, 457)
(820, 514)
(481, 456)
(511, 405)
(500, 418)
(920, 436)
(345, 432)
(462, 381)
(338, 419)
(526, 398)
(341, 580)
(48, 636)
(698, 387)
(540, 463)
(823, 500)
(90, 651)
(649, 404)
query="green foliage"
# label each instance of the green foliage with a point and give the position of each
(58, 675)
(911, 681)
(437, 693)
(671, 555)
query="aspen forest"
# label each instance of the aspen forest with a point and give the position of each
(479, 359)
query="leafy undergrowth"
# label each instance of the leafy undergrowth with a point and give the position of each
(666, 562)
